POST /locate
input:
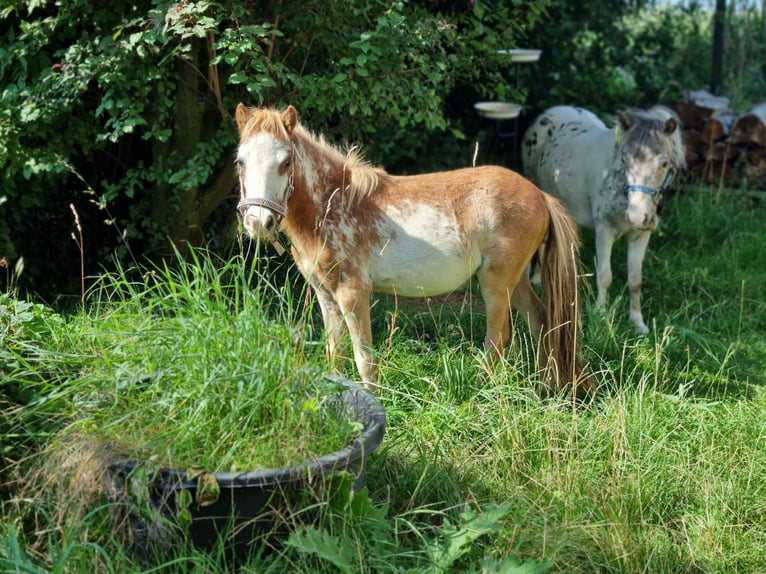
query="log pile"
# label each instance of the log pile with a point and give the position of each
(722, 146)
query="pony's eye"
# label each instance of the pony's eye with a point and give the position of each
(665, 164)
(286, 163)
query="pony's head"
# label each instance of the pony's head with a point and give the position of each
(265, 165)
(647, 157)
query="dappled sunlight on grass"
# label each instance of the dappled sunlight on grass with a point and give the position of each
(660, 471)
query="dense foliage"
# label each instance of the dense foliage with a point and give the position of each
(606, 54)
(115, 119)
(121, 113)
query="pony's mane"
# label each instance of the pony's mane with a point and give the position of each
(364, 177)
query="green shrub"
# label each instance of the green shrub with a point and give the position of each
(125, 111)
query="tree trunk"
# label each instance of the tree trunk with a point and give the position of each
(717, 127)
(718, 31)
(171, 202)
(698, 106)
(182, 209)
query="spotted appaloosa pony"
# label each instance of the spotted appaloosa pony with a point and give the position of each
(355, 229)
(611, 180)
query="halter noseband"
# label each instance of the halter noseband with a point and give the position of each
(650, 190)
(277, 208)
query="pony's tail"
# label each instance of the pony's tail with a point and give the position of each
(559, 268)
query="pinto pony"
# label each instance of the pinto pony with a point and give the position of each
(355, 229)
(610, 180)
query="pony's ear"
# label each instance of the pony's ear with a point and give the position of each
(290, 118)
(625, 120)
(241, 115)
(670, 126)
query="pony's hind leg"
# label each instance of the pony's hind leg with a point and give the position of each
(497, 283)
(497, 301)
(526, 302)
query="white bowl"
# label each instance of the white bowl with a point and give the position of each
(497, 110)
(519, 55)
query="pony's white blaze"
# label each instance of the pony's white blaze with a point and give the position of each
(259, 160)
(608, 179)
(423, 254)
(354, 228)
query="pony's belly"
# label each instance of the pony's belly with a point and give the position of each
(425, 273)
(424, 253)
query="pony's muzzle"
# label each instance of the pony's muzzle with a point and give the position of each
(259, 222)
(641, 213)
(639, 217)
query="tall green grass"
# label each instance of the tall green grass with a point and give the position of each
(191, 366)
(663, 471)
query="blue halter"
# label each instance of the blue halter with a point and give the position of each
(650, 190)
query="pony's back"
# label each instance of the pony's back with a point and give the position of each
(545, 127)
(565, 152)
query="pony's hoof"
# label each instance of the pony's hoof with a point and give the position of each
(641, 329)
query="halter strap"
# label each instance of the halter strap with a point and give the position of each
(645, 188)
(650, 190)
(279, 208)
(261, 202)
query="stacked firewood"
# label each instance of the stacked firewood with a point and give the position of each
(722, 146)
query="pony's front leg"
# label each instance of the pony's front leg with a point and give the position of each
(637, 244)
(333, 324)
(605, 237)
(354, 302)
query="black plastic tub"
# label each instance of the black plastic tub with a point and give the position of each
(247, 505)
